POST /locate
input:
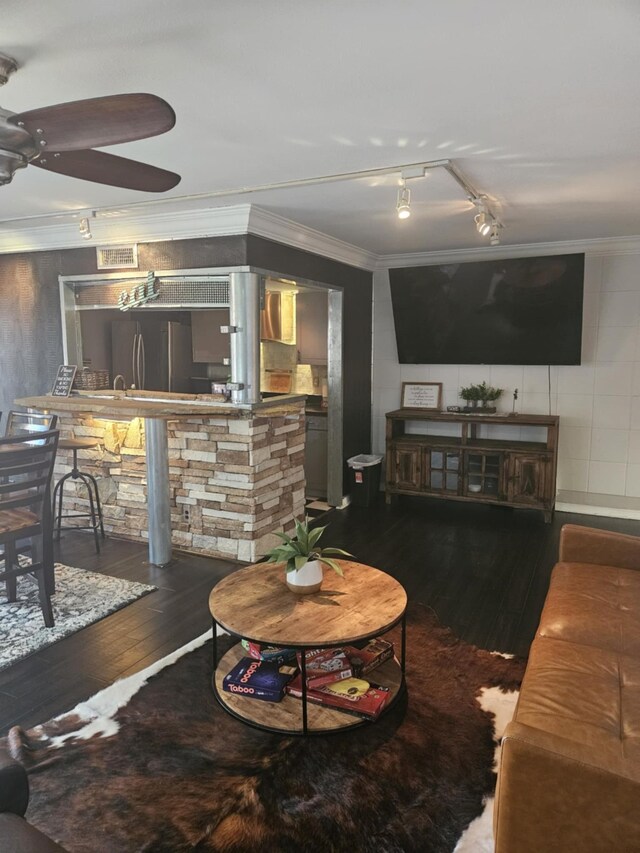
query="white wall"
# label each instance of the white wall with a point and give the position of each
(598, 401)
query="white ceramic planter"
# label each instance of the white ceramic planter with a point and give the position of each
(307, 579)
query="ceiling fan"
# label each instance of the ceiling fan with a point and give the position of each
(62, 138)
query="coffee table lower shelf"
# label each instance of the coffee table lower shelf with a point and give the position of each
(285, 717)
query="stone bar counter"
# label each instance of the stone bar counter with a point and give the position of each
(235, 471)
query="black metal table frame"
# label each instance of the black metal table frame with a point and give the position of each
(305, 731)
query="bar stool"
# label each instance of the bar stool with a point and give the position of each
(95, 508)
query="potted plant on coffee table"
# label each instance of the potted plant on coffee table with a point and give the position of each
(304, 559)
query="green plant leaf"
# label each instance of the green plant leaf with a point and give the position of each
(300, 561)
(332, 564)
(302, 535)
(315, 534)
(335, 551)
(283, 536)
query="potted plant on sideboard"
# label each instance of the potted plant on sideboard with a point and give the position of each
(482, 393)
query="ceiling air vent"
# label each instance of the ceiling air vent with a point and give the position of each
(117, 257)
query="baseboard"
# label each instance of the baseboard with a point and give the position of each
(608, 506)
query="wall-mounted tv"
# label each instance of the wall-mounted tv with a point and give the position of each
(515, 311)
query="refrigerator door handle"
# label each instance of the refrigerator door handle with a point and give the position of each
(141, 367)
(134, 352)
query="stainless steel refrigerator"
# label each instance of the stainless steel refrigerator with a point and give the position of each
(152, 354)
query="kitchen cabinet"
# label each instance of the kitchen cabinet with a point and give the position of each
(316, 456)
(312, 320)
(209, 344)
(470, 466)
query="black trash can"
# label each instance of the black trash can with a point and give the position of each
(364, 477)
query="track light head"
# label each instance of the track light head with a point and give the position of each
(85, 229)
(494, 234)
(403, 206)
(483, 223)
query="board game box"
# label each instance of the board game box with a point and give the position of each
(258, 679)
(353, 695)
(276, 654)
(324, 666)
(363, 660)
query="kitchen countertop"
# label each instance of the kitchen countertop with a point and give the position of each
(156, 404)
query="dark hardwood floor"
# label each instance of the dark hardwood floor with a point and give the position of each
(484, 570)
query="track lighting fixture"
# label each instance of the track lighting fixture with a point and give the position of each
(494, 234)
(403, 205)
(483, 222)
(85, 229)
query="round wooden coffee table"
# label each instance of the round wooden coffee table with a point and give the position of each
(255, 604)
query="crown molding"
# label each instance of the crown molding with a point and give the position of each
(107, 230)
(596, 246)
(110, 230)
(61, 232)
(263, 223)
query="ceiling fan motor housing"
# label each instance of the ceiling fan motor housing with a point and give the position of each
(9, 162)
(17, 148)
(7, 67)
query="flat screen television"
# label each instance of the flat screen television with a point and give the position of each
(515, 311)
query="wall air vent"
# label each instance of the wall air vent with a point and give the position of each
(117, 257)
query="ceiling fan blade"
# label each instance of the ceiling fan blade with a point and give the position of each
(98, 121)
(103, 168)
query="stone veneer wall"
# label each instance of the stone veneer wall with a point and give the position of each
(234, 480)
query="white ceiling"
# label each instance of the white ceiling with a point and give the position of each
(537, 103)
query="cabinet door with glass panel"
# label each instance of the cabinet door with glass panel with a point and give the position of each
(442, 470)
(484, 474)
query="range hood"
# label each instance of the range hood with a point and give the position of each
(278, 317)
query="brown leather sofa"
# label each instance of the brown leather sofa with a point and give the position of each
(16, 835)
(569, 775)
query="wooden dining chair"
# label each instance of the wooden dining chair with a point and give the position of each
(26, 467)
(25, 423)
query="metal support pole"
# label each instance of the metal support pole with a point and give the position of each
(244, 315)
(335, 475)
(158, 499)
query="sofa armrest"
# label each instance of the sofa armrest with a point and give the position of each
(14, 785)
(551, 799)
(599, 547)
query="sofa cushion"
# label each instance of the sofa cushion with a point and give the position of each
(586, 701)
(594, 605)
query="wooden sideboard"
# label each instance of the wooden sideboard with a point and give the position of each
(472, 465)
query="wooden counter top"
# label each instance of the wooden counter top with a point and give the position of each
(157, 404)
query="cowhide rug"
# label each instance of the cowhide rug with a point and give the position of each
(154, 764)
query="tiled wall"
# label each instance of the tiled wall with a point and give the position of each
(598, 401)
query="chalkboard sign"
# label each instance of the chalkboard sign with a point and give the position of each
(64, 380)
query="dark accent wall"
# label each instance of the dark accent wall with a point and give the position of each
(30, 331)
(30, 328)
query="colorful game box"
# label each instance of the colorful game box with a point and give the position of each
(353, 695)
(271, 653)
(258, 679)
(324, 666)
(370, 656)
